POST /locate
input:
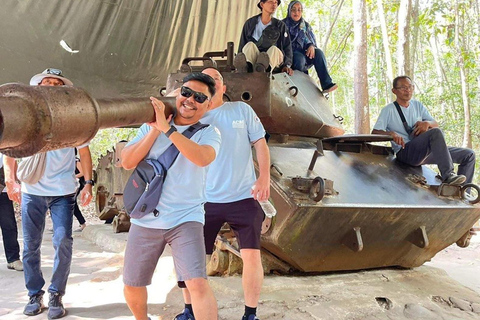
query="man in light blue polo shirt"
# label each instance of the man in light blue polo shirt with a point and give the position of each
(55, 191)
(232, 190)
(180, 218)
(424, 142)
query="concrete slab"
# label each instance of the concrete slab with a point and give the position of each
(95, 289)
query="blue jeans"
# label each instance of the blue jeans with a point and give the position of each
(8, 225)
(34, 209)
(302, 63)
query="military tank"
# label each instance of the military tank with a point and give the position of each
(343, 202)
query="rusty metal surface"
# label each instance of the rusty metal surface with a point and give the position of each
(57, 117)
(110, 180)
(306, 113)
(358, 138)
(378, 218)
(385, 233)
(252, 88)
(279, 107)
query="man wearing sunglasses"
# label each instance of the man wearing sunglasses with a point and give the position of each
(54, 191)
(180, 220)
(232, 189)
(420, 141)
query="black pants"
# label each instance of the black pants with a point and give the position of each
(430, 148)
(8, 225)
(76, 210)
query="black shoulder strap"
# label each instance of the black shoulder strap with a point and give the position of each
(167, 158)
(402, 116)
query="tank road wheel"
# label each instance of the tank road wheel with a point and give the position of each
(218, 262)
(473, 194)
(317, 189)
(464, 241)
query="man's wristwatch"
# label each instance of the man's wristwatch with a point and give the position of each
(170, 131)
(90, 182)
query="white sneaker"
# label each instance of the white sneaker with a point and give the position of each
(15, 265)
(80, 229)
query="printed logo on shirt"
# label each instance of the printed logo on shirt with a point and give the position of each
(238, 124)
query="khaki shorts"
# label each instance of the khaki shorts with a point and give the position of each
(145, 246)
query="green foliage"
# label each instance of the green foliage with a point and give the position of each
(439, 89)
(106, 139)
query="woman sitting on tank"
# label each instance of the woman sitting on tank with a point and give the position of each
(304, 45)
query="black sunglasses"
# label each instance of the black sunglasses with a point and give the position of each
(197, 96)
(56, 72)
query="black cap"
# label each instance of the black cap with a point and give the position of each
(258, 4)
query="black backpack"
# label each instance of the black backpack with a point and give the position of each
(268, 38)
(144, 187)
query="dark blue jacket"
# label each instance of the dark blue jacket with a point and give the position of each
(283, 41)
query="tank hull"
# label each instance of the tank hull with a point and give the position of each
(377, 216)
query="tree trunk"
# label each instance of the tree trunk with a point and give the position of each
(362, 117)
(460, 48)
(403, 44)
(414, 29)
(332, 25)
(438, 70)
(386, 48)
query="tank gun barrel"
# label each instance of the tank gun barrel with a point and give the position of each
(39, 118)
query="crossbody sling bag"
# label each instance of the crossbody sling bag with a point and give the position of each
(404, 121)
(144, 187)
(31, 170)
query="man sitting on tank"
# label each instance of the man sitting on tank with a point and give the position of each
(265, 42)
(417, 138)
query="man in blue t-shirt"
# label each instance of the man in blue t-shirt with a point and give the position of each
(420, 141)
(180, 218)
(232, 189)
(54, 191)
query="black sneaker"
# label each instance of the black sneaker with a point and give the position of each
(55, 306)
(35, 305)
(250, 317)
(240, 62)
(330, 88)
(185, 315)
(263, 62)
(455, 180)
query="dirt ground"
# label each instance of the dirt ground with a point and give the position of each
(447, 288)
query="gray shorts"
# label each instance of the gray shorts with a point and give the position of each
(145, 246)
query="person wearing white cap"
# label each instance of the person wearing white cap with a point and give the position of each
(53, 189)
(50, 76)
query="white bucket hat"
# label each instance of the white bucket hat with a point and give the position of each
(50, 73)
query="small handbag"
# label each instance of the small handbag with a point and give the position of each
(31, 170)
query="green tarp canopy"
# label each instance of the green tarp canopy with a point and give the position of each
(114, 47)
